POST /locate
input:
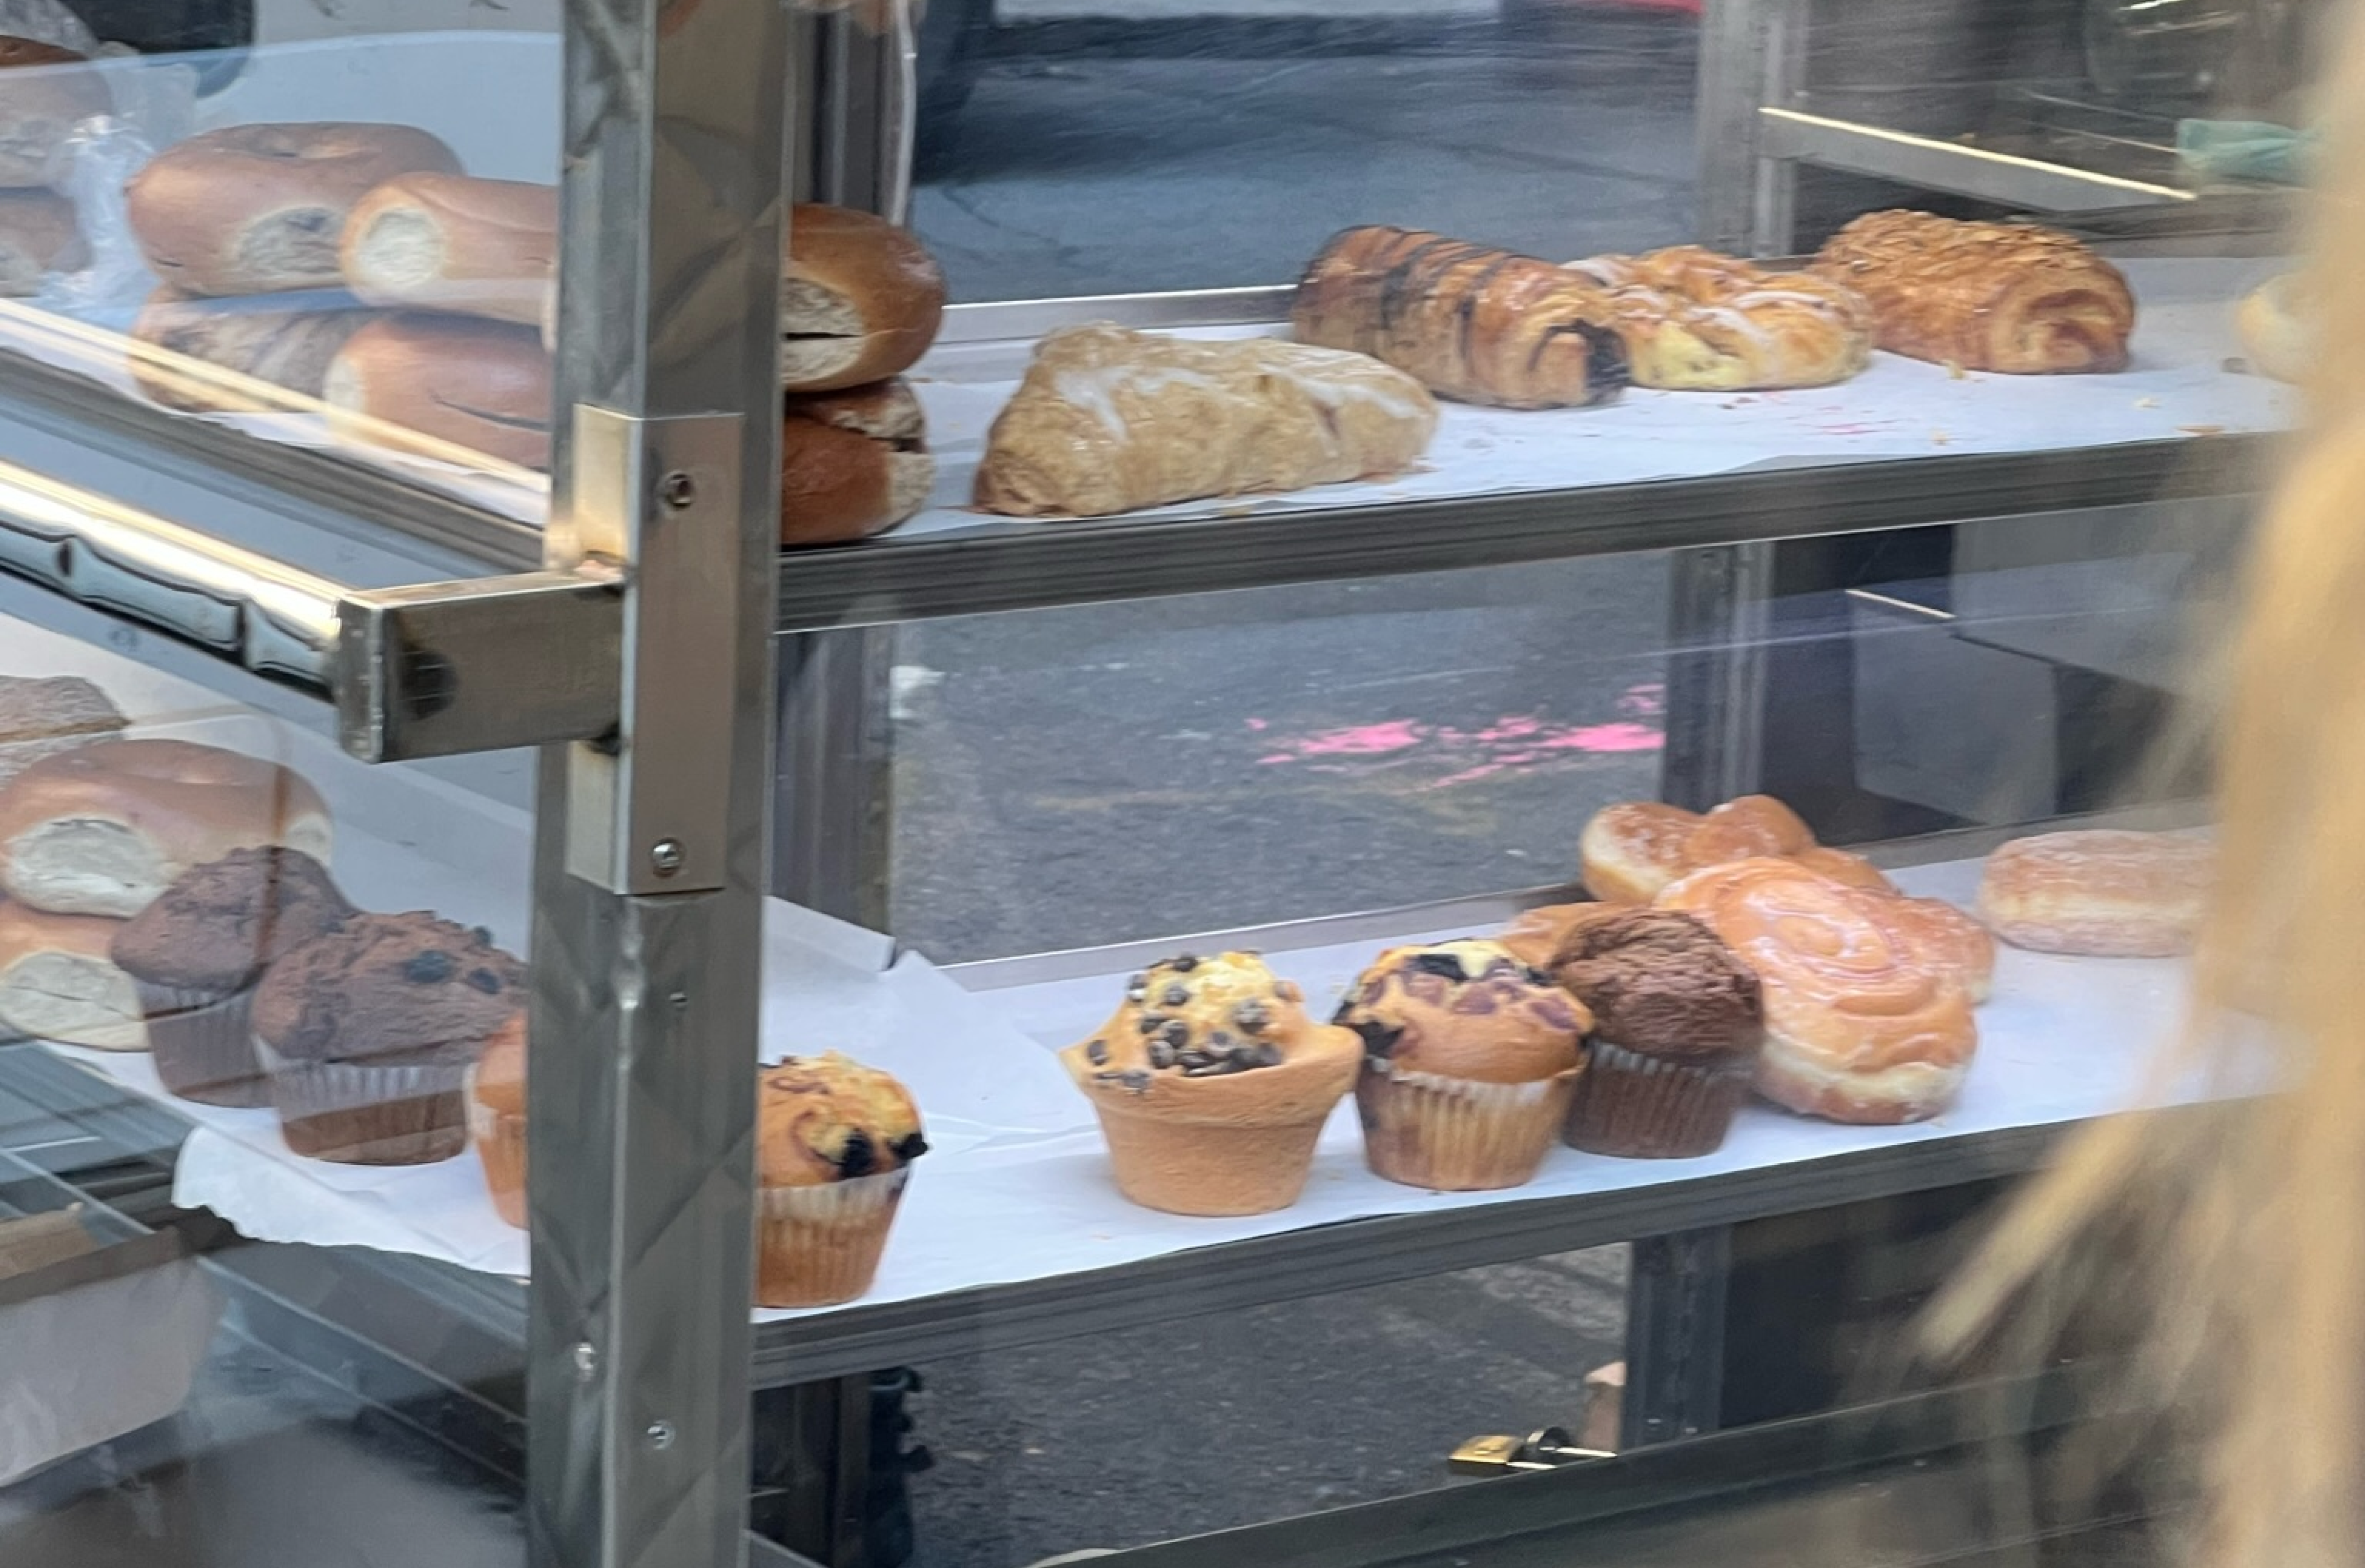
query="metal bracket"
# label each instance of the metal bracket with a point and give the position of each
(1546, 1448)
(442, 668)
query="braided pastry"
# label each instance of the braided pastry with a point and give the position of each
(1863, 1022)
(1471, 323)
(1697, 321)
(1984, 296)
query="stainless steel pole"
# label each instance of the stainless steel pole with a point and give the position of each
(650, 854)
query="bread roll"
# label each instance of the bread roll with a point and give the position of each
(104, 828)
(39, 235)
(58, 982)
(861, 299)
(1478, 325)
(2278, 330)
(432, 241)
(257, 208)
(266, 340)
(481, 386)
(46, 93)
(2101, 892)
(852, 463)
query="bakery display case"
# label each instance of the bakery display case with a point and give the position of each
(538, 1107)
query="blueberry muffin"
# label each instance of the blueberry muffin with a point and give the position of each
(1470, 1060)
(835, 1142)
(368, 1033)
(1212, 1085)
(196, 955)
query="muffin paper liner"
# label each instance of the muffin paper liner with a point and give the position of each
(1647, 1107)
(1458, 1134)
(819, 1246)
(499, 1137)
(369, 1114)
(202, 1042)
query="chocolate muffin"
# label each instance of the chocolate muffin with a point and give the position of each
(835, 1142)
(1470, 1059)
(368, 1033)
(1678, 1027)
(195, 954)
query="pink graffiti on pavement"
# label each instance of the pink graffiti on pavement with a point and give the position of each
(1513, 741)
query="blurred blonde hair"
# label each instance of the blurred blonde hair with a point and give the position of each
(2247, 1223)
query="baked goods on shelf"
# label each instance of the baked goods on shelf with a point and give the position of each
(1678, 1026)
(58, 982)
(104, 828)
(2103, 891)
(367, 1033)
(1950, 937)
(861, 299)
(852, 463)
(196, 955)
(445, 241)
(1841, 867)
(1470, 1059)
(2278, 330)
(39, 235)
(1471, 323)
(265, 339)
(48, 92)
(1212, 1085)
(257, 208)
(496, 1120)
(1110, 421)
(2000, 297)
(42, 715)
(1697, 321)
(1629, 852)
(835, 1142)
(1863, 1023)
(1535, 935)
(480, 388)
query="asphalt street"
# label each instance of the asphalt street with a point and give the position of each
(1171, 766)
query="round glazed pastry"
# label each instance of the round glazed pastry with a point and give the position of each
(1212, 1085)
(1950, 937)
(1537, 934)
(497, 1119)
(861, 299)
(1677, 1025)
(2102, 891)
(103, 829)
(1841, 867)
(59, 982)
(1861, 1024)
(48, 92)
(1696, 320)
(1753, 824)
(482, 386)
(369, 1031)
(1630, 852)
(258, 209)
(835, 1142)
(1470, 1059)
(39, 235)
(195, 953)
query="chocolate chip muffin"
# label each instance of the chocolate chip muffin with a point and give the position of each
(1212, 1085)
(835, 1142)
(1678, 1026)
(1470, 1060)
(195, 954)
(368, 1033)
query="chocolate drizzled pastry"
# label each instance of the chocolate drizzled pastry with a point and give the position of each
(1662, 983)
(389, 985)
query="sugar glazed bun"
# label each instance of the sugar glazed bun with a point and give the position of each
(1841, 867)
(105, 828)
(2105, 893)
(1862, 1024)
(861, 299)
(258, 209)
(46, 93)
(59, 982)
(1630, 851)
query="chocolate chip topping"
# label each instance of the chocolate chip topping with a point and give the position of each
(1659, 983)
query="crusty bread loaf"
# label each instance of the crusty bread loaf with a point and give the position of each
(48, 91)
(861, 299)
(1999, 296)
(1109, 420)
(39, 235)
(481, 386)
(1474, 324)
(852, 463)
(204, 355)
(256, 208)
(433, 241)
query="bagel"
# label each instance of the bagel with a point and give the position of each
(51, 90)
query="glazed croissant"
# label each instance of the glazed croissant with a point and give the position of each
(1984, 296)
(1478, 325)
(1697, 321)
(1109, 420)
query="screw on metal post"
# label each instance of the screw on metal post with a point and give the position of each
(586, 1361)
(666, 857)
(660, 1435)
(678, 489)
